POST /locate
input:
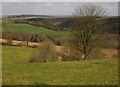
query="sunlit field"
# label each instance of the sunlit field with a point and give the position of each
(17, 70)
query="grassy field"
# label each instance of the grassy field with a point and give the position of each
(30, 28)
(16, 54)
(17, 70)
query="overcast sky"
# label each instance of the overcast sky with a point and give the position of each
(52, 8)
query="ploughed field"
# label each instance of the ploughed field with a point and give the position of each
(17, 70)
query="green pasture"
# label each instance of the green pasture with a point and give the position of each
(33, 29)
(18, 71)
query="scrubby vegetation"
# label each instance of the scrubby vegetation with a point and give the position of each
(31, 37)
(45, 53)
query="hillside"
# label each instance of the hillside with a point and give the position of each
(33, 29)
(61, 23)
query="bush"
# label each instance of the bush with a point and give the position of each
(97, 53)
(44, 53)
(56, 40)
(8, 36)
(108, 41)
(17, 36)
(42, 38)
(69, 54)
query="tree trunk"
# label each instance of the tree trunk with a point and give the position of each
(27, 43)
(84, 56)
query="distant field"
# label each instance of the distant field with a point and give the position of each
(17, 70)
(33, 29)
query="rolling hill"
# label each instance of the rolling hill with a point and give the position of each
(33, 29)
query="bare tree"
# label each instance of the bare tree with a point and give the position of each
(86, 28)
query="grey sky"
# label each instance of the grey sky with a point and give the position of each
(52, 8)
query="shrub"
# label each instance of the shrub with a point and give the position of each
(56, 40)
(69, 54)
(17, 36)
(8, 36)
(97, 53)
(109, 41)
(44, 53)
(41, 38)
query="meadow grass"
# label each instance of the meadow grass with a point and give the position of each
(13, 54)
(90, 72)
(33, 29)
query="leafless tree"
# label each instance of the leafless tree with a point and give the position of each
(86, 28)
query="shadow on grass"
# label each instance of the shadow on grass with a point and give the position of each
(30, 85)
(37, 84)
